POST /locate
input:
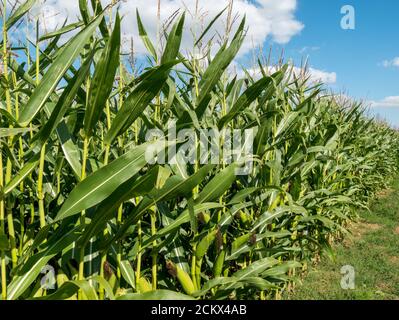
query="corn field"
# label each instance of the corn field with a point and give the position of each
(85, 215)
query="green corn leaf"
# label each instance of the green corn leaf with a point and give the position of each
(105, 210)
(128, 273)
(70, 288)
(213, 190)
(244, 101)
(218, 185)
(62, 31)
(139, 100)
(56, 72)
(19, 13)
(105, 284)
(69, 148)
(209, 26)
(22, 174)
(64, 102)
(177, 252)
(204, 244)
(216, 69)
(33, 266)
(281, 269)
(84, 11)
(255, 283)
(253, 270)
(240, 196)
(180, 187)
(103, 79)
(97, 9)
(11, 132)
(10, 117)
(184, 217)
(174, 186)
(100, 185)
(174, 41)
(267, 217)
(213, 283)
(144, 37)
(213, 74)
(225, 283)
(239, 249)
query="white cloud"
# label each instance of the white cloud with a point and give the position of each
(391, 63)
(323, 76)
(308, 49)
(315, 75)
(266, 19)
(391, 102)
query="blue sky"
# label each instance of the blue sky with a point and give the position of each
(356, 56)
(363, 63)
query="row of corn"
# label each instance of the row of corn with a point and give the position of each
(84, 214)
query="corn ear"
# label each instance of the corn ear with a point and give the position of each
(204, 244)
(144, 285)
(219, 263)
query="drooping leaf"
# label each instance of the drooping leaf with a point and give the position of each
(62, 31)
(102, 183)
(11, 132)
(22, 174)
(33, 266)
(106, 210)
(252, 93)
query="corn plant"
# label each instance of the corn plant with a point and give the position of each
(79, 196)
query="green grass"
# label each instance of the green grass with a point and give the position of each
(372, 249)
